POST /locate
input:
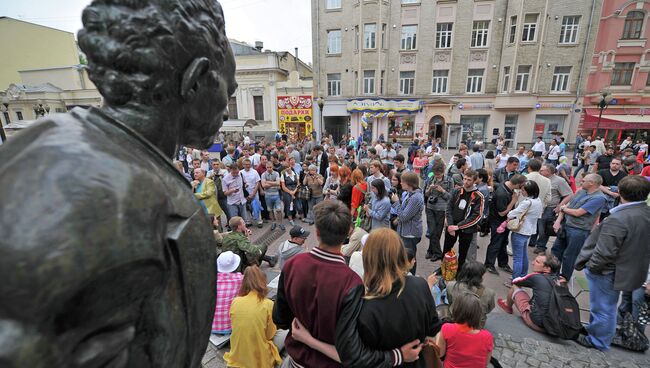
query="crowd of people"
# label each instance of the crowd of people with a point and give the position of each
(369, 203)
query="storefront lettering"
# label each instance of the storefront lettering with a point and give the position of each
(368, 105)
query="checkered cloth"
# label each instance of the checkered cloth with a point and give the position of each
(227, 287)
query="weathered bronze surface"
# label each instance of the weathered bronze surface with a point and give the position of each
(106, 258)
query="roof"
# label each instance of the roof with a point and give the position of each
(45, 87)
(34, 24)
(242, 48)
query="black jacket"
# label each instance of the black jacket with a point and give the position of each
(385, 324)
(473, 211)
(620, 245)
(501, 175)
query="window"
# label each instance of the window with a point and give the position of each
(6, 115)
(381, 83)
(443, 35)
(561, 79)
(383, 36)
(369, 36)
(258, 104)
(647, 80)
(368, 82)
(19, 115)
(480, 33)
(232, 108)
(408, 37)
(569, 31)
(529, 28)
(333, 4)
(513, 29)
(356, 83)
(334, 41)
(506, 79)
(474, 81)
(406, 83)
(440, 79)
(523, 75)
(356, 38)
(633, 25)
(410, 1)
(622, 74)
(334, 84)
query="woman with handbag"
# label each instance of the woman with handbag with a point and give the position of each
(390, 310)
(359, 189)
(289, 184)
(522, 222)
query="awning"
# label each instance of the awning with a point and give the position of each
(617, 122)
(335, 110)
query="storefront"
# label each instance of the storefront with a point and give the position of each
(473, 128)
(547, 126)
(336, 120)
(616, 124)
(295, 116)
(390, 119)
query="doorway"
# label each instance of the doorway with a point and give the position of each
(510, 130)
(453, 136)
(435, 126)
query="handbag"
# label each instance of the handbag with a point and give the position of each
(629, 336)
(516, 223)
(304, 192)
(363, 221)
(644, 311)
(431, 355)
(243, 186)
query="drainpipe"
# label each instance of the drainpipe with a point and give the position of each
(320, 69)
(582, 63)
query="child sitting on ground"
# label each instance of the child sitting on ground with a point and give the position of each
(463, 343)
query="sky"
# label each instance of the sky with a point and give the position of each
(281, 24)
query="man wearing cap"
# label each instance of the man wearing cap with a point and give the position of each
(238, 242)
(228, 284)
(293, 246)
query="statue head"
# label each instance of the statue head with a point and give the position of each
(171, 57)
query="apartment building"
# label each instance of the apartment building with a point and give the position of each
(620, 65)
(458, 70)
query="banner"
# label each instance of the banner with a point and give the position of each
(295, 109)
(381, 105)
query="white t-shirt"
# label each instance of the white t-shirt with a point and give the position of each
(554, 152)
(539, 147)
(502, 160)
(252, 177)
(255, 159)
(247, 140)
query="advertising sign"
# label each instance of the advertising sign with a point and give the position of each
(295, 112)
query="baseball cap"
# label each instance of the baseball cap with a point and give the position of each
(298, 232)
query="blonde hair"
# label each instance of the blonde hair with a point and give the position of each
(384, 261)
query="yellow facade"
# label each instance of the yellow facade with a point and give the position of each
(30, 46)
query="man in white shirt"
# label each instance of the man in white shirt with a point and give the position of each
(247, 139)
(255, 157)
(252, 179)
(539, 147)
(600, 146)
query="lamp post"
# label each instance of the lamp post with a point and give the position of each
(5, 109)
(320, 102)
(40, 109)
(603, 101)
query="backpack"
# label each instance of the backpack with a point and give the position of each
(563, 317)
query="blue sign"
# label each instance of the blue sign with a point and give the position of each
(613, 102)
(538, 105)
(461, 106)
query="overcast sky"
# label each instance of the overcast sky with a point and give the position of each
(281, 24)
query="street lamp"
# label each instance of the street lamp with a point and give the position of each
(39, 109)
(320, 102)
(603, 101)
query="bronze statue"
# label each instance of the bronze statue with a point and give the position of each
(106, 258)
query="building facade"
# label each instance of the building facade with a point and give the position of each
(460, 70)
(271, 86)
(620, 65)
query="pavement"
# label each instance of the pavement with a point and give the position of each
(516, 345)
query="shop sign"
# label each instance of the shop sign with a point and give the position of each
(485, 106)
(553, 106)
(381, 105)
(295, 109)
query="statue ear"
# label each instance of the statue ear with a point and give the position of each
(197, 68)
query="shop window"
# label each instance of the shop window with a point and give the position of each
(401, 127)
(473, 127)
(547, 125)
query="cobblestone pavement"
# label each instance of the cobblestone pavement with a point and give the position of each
(516, 346)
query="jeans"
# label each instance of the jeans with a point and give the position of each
(473, 248)
(519, 255)
(223, 203)
(412, 243)
(286, 200)
(602, 313)
(567, 249)
(496, 250)
(540, 239)
(631, 301)
(312, 202)
(238, 210)
(464, 241)
(435, 225)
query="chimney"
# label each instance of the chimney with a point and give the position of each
(296, 49)
(259, 45)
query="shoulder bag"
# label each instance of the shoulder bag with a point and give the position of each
(516, 223)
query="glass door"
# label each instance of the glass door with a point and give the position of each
(510, 130)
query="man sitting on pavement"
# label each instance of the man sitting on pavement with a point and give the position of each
(615, 258)
(294, 245)
(533, 309)
(238, 242)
